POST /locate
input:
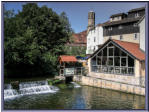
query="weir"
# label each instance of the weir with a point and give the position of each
(26, 88)
(9, 92)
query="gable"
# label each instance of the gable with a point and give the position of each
(129, 48)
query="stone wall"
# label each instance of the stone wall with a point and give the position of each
(108, 84)
(131, 80)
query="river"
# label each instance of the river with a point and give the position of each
(83, 97)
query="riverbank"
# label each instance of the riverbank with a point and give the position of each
(108, 84)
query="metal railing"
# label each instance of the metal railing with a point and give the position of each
(113, 70)
(77, 71)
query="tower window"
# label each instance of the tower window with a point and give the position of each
(94, 39)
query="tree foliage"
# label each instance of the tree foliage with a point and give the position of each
(33, 40)
(75, 50)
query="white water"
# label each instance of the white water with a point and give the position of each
(76, 85)
(10, 93)
(27, 88)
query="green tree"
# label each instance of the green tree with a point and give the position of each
(34, 38)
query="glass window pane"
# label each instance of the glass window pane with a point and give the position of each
(117, 61)
(117, 70)
(116, 51)
(123, 61)
(111, 52)
(98, 60)
(123, 54)
(93, 61)
(110, 45)
(105, 51)
(110, 61)
(124, 70)
(131, 70)
(130, 62)
(104, 60)
(100, 53)
(111, 70)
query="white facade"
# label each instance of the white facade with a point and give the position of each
(142, 34)
(94, 38)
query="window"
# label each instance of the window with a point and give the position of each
(120, 27)
(110, 28)
(121, 37)
(135, 25)
(118, 17)
(88, 40)
(94, 39)
(94, 48)
(135, 36)
(137, 15)
(112, 60)
(80, 39)
(117, 61)
(111, 51)
(123, 61)
(98, 60)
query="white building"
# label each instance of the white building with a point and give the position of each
(142, 33)
(94, 38)
(94, 34)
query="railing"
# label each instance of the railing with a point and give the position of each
(113, 70)
(75, 71)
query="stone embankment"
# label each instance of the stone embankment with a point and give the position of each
(109, 84)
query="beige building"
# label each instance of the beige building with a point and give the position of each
(124, 26)
(119, 62)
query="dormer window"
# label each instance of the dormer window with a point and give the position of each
(137, 15)
(120, 27)
(135, 25)
(110, 28)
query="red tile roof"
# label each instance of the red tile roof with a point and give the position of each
(65, 58)
(132, 48)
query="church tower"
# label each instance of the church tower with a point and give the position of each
(91, 21)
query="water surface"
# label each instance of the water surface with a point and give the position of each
(85, 97)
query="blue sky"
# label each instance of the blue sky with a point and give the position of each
(77, 12)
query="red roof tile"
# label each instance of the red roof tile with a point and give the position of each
(132, 48)
(65, 58)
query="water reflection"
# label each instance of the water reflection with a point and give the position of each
(78, 98)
